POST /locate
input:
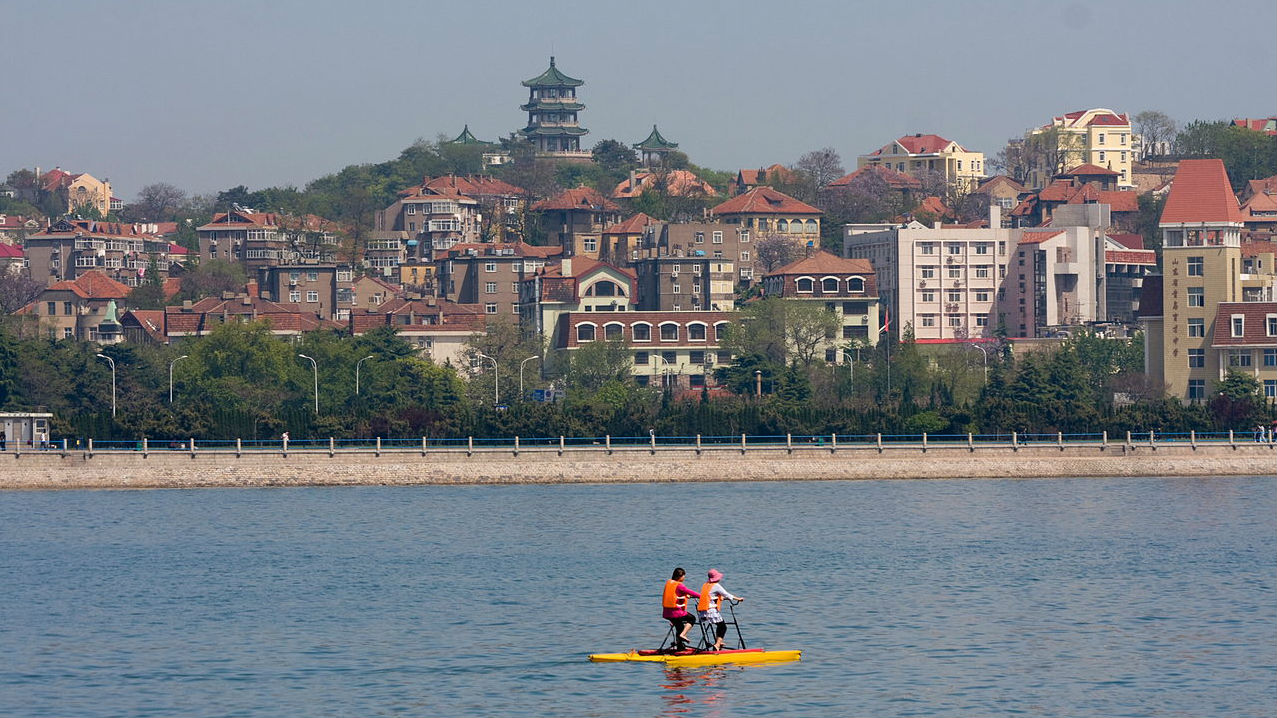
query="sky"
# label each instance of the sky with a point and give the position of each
(210, 95)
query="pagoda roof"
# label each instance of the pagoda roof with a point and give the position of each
(467, 138)
(655, 142)
(554, 131)
(551, 105)
(553, 78)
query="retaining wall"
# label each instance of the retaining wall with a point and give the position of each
(322, 467)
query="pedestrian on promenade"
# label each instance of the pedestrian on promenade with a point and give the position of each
(284, 438)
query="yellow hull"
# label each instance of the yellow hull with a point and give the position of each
(701, 659)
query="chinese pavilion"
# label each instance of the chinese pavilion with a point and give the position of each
(552, 114)
(655, 147)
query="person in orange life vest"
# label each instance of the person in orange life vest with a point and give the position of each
(674, 606)
(712, 595)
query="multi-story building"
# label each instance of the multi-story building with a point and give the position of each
(553, 110)
(200, 318)
(1097, 136)
(716, 241)
(749, 179)
(78, 190)
(1085, 184)
(439, 329)
(846, 287)
(919, 155)
(575, 220)
(674, 349)
(501, 204)
(265, 239)
(67, 249)
(765, 212)
(1216, 312)
(84, 309)
(434, 217)
(673, 283)
(622, 241)
(14, 228)
(311, 288)
(489, 274)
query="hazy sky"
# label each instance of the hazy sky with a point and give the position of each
(208, 95)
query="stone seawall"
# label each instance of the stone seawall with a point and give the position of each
(311, 467)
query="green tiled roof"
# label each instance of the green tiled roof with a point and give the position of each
(553, 131)
(544, 105)
(553, 78)
(466, 138)
(654, 141)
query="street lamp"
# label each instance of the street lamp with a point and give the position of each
(496, 379)
(665, 378)
(758, 382)
(361, 361)
(112, 363)
(170, 376)
(315, 368)
(525, 361)
(985, 353)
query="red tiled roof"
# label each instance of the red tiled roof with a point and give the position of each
(1201, 193)
(578, 198)
(678, 183)
(895, 180)
(1118, 200)
(764, 200)
(932, 205)
(1089, 170)
(633, 225)
(1267, 125)
(1254, 324)
(823, 262)
(918, 144)
(10, 251)
(172, 285)
(473, 185)
(1142, 256)
(989, 184)
(150, 321)
(1130, 241)
(753, 178)
(1059, 190)
(1039, 237)
(94, 284)
(1256, 248)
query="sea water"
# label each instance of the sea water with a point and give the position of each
(1087, 597)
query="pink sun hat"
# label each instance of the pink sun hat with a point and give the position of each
(715, 575)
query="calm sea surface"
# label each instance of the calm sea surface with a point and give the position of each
(1125, 597)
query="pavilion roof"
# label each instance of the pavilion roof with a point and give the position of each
(552, 77)
(655, 142)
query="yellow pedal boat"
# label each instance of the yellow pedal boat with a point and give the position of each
(691, 659)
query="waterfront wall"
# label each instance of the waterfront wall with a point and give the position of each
(54, 469)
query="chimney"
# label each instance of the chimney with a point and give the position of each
(566, 266)
(995, 216)
(632, 180)
(250, 287)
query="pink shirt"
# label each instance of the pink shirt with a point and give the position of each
(679, 612)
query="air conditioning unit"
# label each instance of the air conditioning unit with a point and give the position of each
(957, 284)
(922, 284)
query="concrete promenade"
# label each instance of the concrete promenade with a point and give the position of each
(513, 464)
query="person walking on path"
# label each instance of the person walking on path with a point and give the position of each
(712, 595)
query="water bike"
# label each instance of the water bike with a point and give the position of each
(703, 654)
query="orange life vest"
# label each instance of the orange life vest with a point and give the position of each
(670, 598)
(703, 604)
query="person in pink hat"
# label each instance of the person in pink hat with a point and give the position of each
(712, 595)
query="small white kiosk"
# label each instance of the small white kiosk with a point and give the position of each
(24, 430)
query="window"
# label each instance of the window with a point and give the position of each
(676, 289)
(1196, 358)
(489, 287)
(955, 320)
(697, 357)
(928, 320)
(855, 285)
(410, 209)
(982, 296)
(744, 256)
(696, 333)
(982, 272)
(1196, 388)
(831, 355)
(955, 272)
(514, 287)
(982, 248)
(744, 237)
(53, 309)
(641, 332)
(669, 332)
(1238, 325)
(612, 332)
(700, 238)
(982, 320)
(829, 285)
(927, 248)
(1270, 325)
(1195, 266)
(720, 331)
(1196, 297)
(1196, 327)
(928, 272)
(640, 358)
(1239, 358)
(294, 296)
(312, 296)
(312, 276)
(1270, 357)
(1101, 156)
(489, 266)
(955, 248)
(718, 237)
(585, 332)
(1270, 388)
(955, 296)
(490, 308)
(805, 284)
(670, 358)
(928, 296)
(1101, 142)
(590, 244)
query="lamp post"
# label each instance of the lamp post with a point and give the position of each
(525, 361)
(984, 352)
(315, 368)
(357, 364)
(758, 382)
(496, 378)
(664, 377)
(170, 376)
(112, 363)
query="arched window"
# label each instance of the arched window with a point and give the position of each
(696, 332)
(829, 285)
(641, 331)
(782, 225)
(805, 284)
(669, 332)
(605, 288)
(585, 332)
(720, 331)
(855, 285)
(813, 227)
(612, 332)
